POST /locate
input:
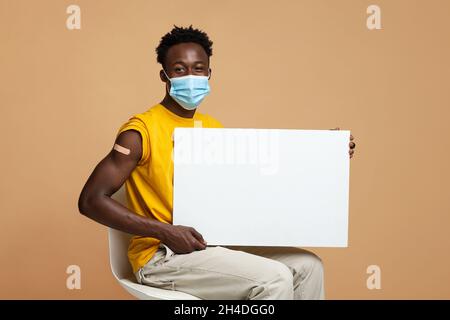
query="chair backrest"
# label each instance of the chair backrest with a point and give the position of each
(121, 268)
(118, 244)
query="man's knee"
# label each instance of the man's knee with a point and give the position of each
(283, 276)
(281, 284)
(271, 280)
(310, 263)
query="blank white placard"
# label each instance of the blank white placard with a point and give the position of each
(263, 187)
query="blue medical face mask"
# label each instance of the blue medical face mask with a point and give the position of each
(189, 91)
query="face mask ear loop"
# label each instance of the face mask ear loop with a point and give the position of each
(170, 80)
(166, 74)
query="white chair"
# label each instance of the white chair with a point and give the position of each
(121, 268)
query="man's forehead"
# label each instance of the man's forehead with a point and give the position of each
(186, 52)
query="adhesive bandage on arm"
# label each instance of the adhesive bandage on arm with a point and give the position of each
(121, 149)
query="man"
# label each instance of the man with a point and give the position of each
(173, 256)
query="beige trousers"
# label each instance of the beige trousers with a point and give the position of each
(237, 273)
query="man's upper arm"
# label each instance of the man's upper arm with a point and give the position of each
(111, 172)
(127, 150)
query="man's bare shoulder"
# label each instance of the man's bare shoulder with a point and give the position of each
(128, 144)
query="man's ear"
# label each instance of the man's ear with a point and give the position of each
(210, 72)
(163, 76)
(164, 79)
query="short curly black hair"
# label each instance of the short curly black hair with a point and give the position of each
(179, 35)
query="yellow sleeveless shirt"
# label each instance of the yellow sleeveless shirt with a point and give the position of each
(149, 188)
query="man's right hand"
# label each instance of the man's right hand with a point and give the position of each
(182, 239)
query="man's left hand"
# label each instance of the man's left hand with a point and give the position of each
(352, 145)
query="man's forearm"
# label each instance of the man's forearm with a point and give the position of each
(111, 213)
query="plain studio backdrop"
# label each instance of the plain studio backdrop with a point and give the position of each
(276, 64)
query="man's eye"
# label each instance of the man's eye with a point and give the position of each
(178, 69)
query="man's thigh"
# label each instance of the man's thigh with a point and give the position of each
(214, 273)
(297, 259)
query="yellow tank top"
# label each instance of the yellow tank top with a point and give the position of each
(149, 188)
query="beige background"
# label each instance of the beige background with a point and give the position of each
(276, 64)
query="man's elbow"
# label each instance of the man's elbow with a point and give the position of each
(84, 204)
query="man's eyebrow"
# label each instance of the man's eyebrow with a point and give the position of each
(184, 63)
